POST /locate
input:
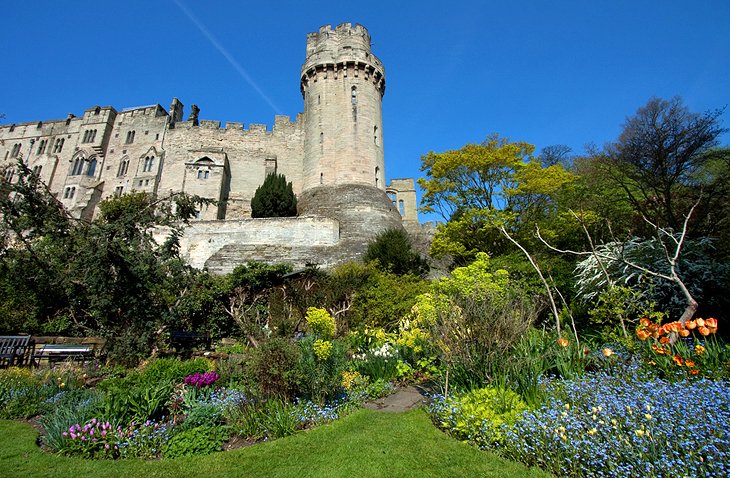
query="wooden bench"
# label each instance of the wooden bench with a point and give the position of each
(60, 349)
(14, 350)
(62, 352)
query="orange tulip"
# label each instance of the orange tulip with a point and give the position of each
(684, 333)
(678, 360)
(700, 322)
(690, 363)
(644, 322)
(711, 324)
(704, 331)
(691, 324)
(563, 342)
(642, 334)
(664, 340)
(694, 371)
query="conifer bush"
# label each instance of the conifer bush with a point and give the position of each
(274, 198)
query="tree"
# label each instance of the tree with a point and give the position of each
(274, 198)
(481, 187)
(393, 251)
(657, 158)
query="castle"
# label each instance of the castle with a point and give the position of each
(332, 154)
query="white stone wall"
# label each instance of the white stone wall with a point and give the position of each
(291, 237)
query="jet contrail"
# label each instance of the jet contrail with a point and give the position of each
(227, 56)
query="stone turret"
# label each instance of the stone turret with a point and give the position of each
(343, 85)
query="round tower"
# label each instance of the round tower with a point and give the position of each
(343, 85)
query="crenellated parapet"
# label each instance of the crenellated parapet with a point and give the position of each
(341, 53)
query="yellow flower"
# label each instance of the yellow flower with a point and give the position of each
(592, 431)
(322, 349)
(699, 349)
(647, 416)
(61, 385)
(640, 433)
(607, 352)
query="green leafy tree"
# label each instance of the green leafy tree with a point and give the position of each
(481, 187)
(394, 252)
(274, 198)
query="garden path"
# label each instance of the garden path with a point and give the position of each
(406, 398)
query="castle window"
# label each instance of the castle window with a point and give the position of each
(149, 161)
(392, 196)
(58, 145)
(91, 169)
(42, 146)
(321, 178)
(77, 167)
(123, 167)
(401, 207)
(375, 136)
(37, 170)
(16, 150)
(377, 176)
(130, 137)
(69, 193)
(118, 191)
(89, 136)
(203, 173)
(140, 182)
(9, 173)
(354, 95)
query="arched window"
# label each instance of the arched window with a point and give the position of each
(321, 178)
(123, 167)
(401, 207)
(91, 169)
(9, 173)
(130, 137)
(78, 166)
(69, 193)
(42, 146)
(16, 150)
(375, 136)
(377, 176)
(149, 162)
(58, 145)
(353, 94)
(37, 170)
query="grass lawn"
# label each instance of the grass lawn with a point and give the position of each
(364, 444)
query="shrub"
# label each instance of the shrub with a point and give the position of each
(275, 368)
(479, 416)
(321, 372)
(393, 251)
(274, 198)
(201, 440)
(22, 393)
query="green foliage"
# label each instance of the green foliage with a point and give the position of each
(483, 186)
(321, 374)
(479, 415)
(76, 406)
(274, 366)
(384, 299)
(274, 198)
(202, 440)
(122, 406)
(394, 252)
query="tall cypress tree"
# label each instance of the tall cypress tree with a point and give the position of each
(274, 198)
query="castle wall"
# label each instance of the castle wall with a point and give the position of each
(250, 155)
(222, 245)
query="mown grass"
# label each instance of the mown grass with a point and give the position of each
(364, 444)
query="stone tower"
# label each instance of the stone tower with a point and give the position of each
(343, 85)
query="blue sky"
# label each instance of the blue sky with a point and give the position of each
(542, 71)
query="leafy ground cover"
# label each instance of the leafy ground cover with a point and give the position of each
(363, 444)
